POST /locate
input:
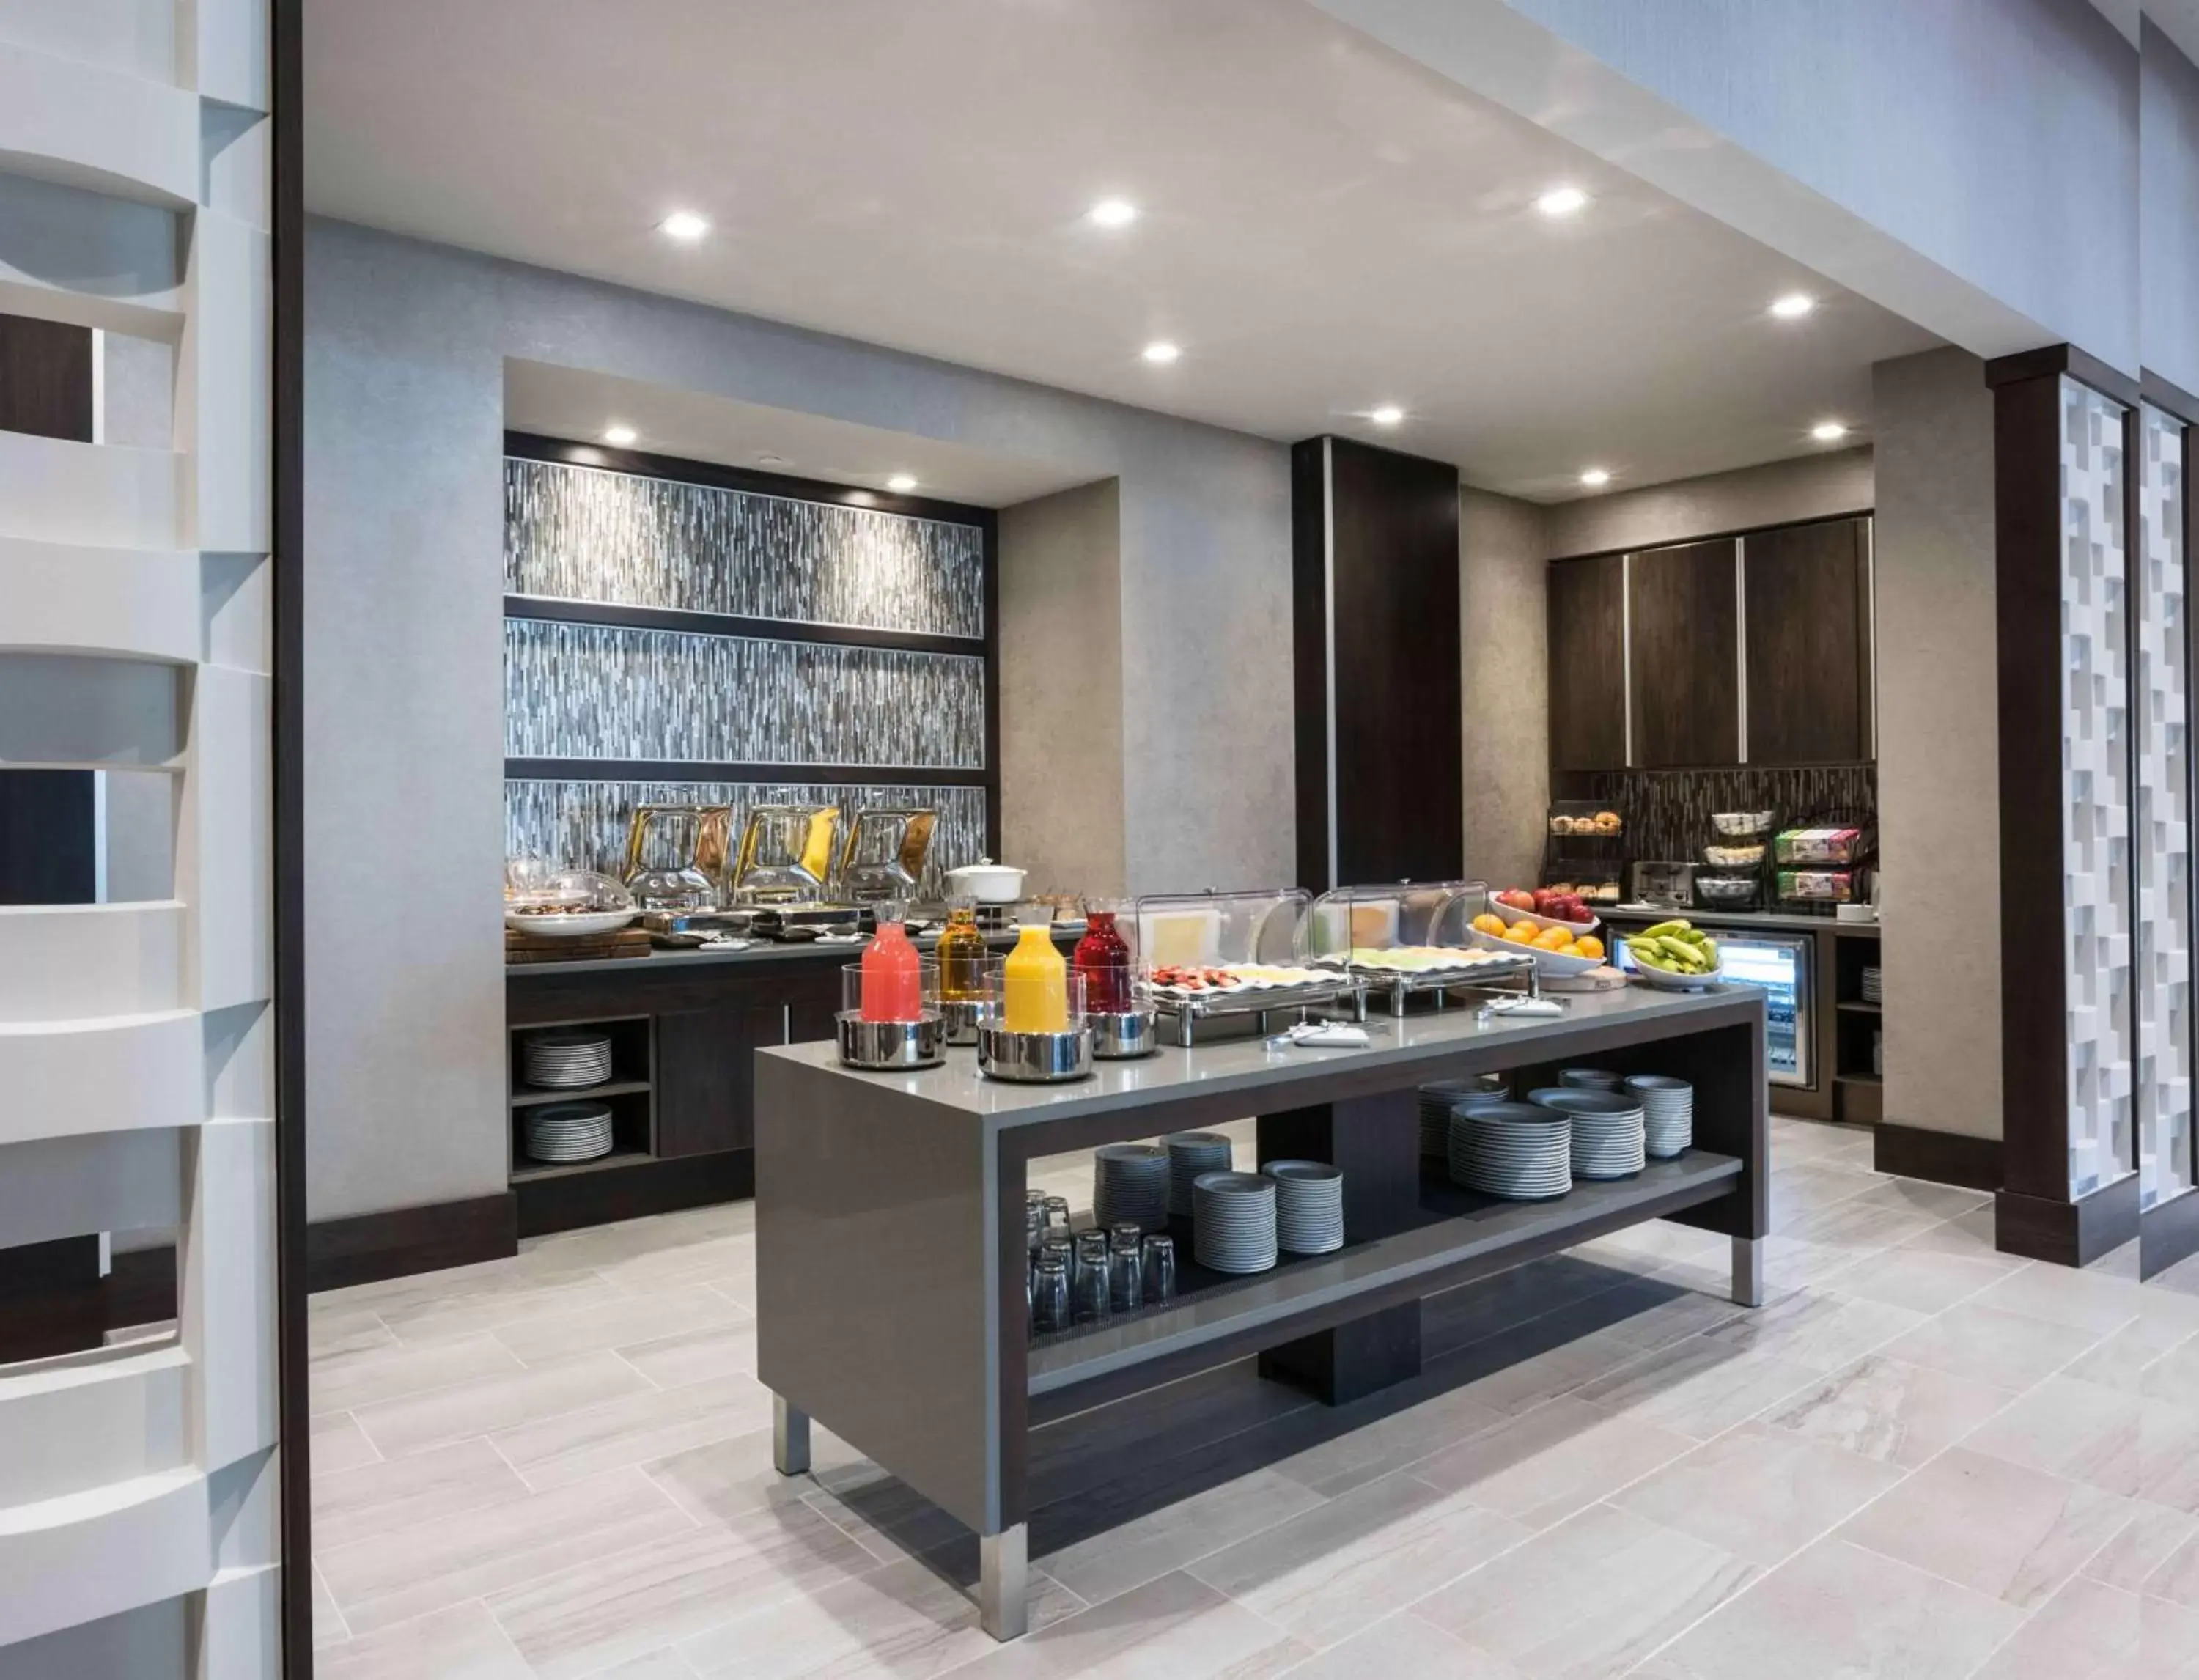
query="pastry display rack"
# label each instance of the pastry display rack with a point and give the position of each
(1408, 939)
(1584, 849)
(1236, 957)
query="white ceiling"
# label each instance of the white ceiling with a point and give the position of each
(1327, 225)
(573, 403)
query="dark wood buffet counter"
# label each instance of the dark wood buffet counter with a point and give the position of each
(890, 1290)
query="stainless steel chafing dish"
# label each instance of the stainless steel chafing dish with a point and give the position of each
(1351, 927)
(884, 855)
(1265, 926)
(785, 855)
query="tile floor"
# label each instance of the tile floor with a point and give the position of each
(1919, 1459)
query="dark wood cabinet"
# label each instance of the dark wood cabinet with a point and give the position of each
(1806, 594)
(1684, 654)
(1587, 615)
(706, 1075)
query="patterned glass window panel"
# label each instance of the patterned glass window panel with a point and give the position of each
(2163, 818)
(583, 533)
(2094, 782)
(606, 691)
(583, 825)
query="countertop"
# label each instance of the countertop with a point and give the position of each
(1248, 1064)
(768, 952)
(1770, 920)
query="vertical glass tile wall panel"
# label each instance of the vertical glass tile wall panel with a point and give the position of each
(584, 534)
(583, 825)
(2094, 785)
(608, 691)
(2163, 821)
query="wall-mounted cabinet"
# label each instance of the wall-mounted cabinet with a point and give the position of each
(1749, 650)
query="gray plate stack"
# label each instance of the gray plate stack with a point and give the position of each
(565, 1060)
(1668, 1113)
(1591, 1079)
(1190, 1154)
(1437, 1100)
(1309, 1207)
(1130, 1186)
(568, 1131)
(1874, 984)
(1609, 1135)
(1232, 1221)
(1521, 1152)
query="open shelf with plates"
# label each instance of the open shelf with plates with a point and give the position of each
(629, 1092)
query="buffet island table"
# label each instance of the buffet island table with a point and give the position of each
(891, 1245)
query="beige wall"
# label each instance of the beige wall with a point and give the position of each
(1506, 686)
(1938, 744)
(1061, 690)
(1809, 487)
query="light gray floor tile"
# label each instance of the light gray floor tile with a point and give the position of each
(1173, 1628)
(1969, 1234)
(345, 1382)
(461, 1643)
(1324, 1575)
(1542, 1467)
(902, 1622)
(343, 1330)
(1890, 1410)
(2174, 1377)
(724, 1261)
(1837, 1612)
(1162, 1542)
(656, 1239)
(726, 1349)
(393, 1576)
(1589, 1598)
(338, 1443)
(2168, 1453)
(2147, 1541)
(2086, 1628)
(639, 1425)
(416, 1492)
(729, 1481)
(1759, 1493)
(665, 1664)
(2064, 1295)
(1916, 1279)
(1819, 1327)
(1941, 1201)
(1405, 1647)
(2079, 1430)
(1700, 1387)
(1860, 1225)
(1995, 1527)
(443, 1320)
(619, 1321)
(2177, 1578)
(598, 1610)
(328, 1626)
(1373, 1450)
(2122, 1361)
(420, 1421)
(1989, 1345)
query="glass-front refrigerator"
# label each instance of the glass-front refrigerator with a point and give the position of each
(1778, 965)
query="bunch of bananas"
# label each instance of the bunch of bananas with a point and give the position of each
(1676, 947)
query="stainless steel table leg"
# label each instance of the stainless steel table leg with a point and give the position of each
(790, 1438)
(1748, 1271)
(1000, 1580)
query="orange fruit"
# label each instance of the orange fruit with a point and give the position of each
(1486, 923)
(1522, 933)
(1587, 945)
(1553, 939)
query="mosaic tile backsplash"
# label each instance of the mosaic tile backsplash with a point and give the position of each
(2162, 827)
(2096, 702)
(598, 690)
(583, 825)
(587, 535)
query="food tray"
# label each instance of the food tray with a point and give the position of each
(1399, 986)
(1189, 1011)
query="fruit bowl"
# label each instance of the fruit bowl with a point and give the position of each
(1591, 926)
(1665, 980)
(1549, 962)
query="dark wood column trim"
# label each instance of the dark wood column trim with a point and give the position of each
(2067, 1232)
(2056, 360)
(1943, 1158)
(2168, 396)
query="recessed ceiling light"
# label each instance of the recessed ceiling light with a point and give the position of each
(768, 460)
(1829, 431)
(1112, 212)
(902, 483)
(1596, 478)
(684, 226)
(619, 436)
(1561, 201)
(1160, 353)
(1388, 415)
(1794, 306)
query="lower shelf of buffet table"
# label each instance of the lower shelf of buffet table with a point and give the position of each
(1453, 1229)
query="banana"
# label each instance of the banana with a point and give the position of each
(1661, 930)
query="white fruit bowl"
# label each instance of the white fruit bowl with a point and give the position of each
(1549, 962)
(1576, 929)
(1666, 981)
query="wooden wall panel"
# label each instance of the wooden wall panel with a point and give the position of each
(1685, 670)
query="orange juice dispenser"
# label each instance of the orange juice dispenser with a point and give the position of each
(1035, 1031)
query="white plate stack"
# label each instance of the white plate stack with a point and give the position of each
(1610, 1133)
(1309, 1207)
(568, 1131)
(1668, 1113)
(1130, 1186)
(1437, 1101)
(1190, 1154)
(1232, 1221)
(1872, 982)
(1519, 1152)
(558, 1061)
(1591, 1079)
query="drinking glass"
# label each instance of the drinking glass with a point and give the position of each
(1058, 1248)
(1033, 1228)
(1091, 1291)
(1050, 1308)
(1159, 1257)
(1126, 1279)
(1091, 1255)
(1056, 1217)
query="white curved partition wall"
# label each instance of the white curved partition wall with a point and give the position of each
(139, 1509)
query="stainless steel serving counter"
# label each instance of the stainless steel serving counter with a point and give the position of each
(891, 1249)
